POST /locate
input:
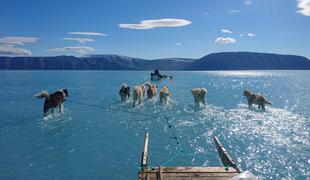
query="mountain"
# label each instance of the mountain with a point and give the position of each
(40, 63)
(92, 62)
(214, 61)
(250, 61)
(112, 62)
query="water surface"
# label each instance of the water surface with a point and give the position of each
(99, 137)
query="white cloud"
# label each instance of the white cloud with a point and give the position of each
(224, 40)
(251, 34)
(78, 49)
(80, 40)
(13, 51)
(155, 23)
(226, 31)
(178, 44)
(234, 11)
(17, 40)
(87, 33)
(304, 6)
(247, 2)
(241, 35)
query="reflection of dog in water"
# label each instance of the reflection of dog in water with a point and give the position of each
(199, 96)
(164, 95)
(53, 100)
(256, 99)
(124, 92)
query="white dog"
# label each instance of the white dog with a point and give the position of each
(137, 95)
(199, 95)
(164, 95)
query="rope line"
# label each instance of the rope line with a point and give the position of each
(112, 109)
(172, 135)
(172, 158)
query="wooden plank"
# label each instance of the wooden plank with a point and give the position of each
(194, 170)
(168, 175)
(198, 174)
(145, 150)
(189, 176)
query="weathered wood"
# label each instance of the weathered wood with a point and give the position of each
(188, 173)
(194, 169)
(195, 173)
(145, 151)
(160, 173)
(224, 156)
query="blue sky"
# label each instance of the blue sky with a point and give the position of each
(153, 29)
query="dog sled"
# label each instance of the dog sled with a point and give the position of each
(229, 170)
(156, 76)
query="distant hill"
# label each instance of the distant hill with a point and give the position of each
(215, 61)
(249, 61)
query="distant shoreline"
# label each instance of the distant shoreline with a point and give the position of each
(213, 62)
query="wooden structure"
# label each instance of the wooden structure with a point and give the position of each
(227, 171)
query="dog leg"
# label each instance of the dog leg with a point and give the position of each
(204, 101)
(140, 99)
(263, 106)
(250, 105)
(134, 103)
(45, 113)
(196, 101)
(62, 108)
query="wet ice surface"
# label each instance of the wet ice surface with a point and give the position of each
(97, 136)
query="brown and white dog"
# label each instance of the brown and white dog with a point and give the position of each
(199, 95)
(151, 91)
(256, 99)
(124, 92)
(53, 100)
(137, 95)
(164, 95)
(143, 88)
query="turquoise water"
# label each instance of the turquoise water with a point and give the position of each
(98, 137)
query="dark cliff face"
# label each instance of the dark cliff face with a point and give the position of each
(250, 61)
(215, 61)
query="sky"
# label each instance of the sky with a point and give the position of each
(153, 29)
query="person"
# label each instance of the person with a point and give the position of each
(156, 72)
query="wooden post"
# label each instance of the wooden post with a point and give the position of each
(144, 158)
(160, 172)
(224, 156)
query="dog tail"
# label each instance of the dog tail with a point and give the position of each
(42, 94)
(268, 102)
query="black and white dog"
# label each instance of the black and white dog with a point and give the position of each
(53, 100)
(124, 92)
